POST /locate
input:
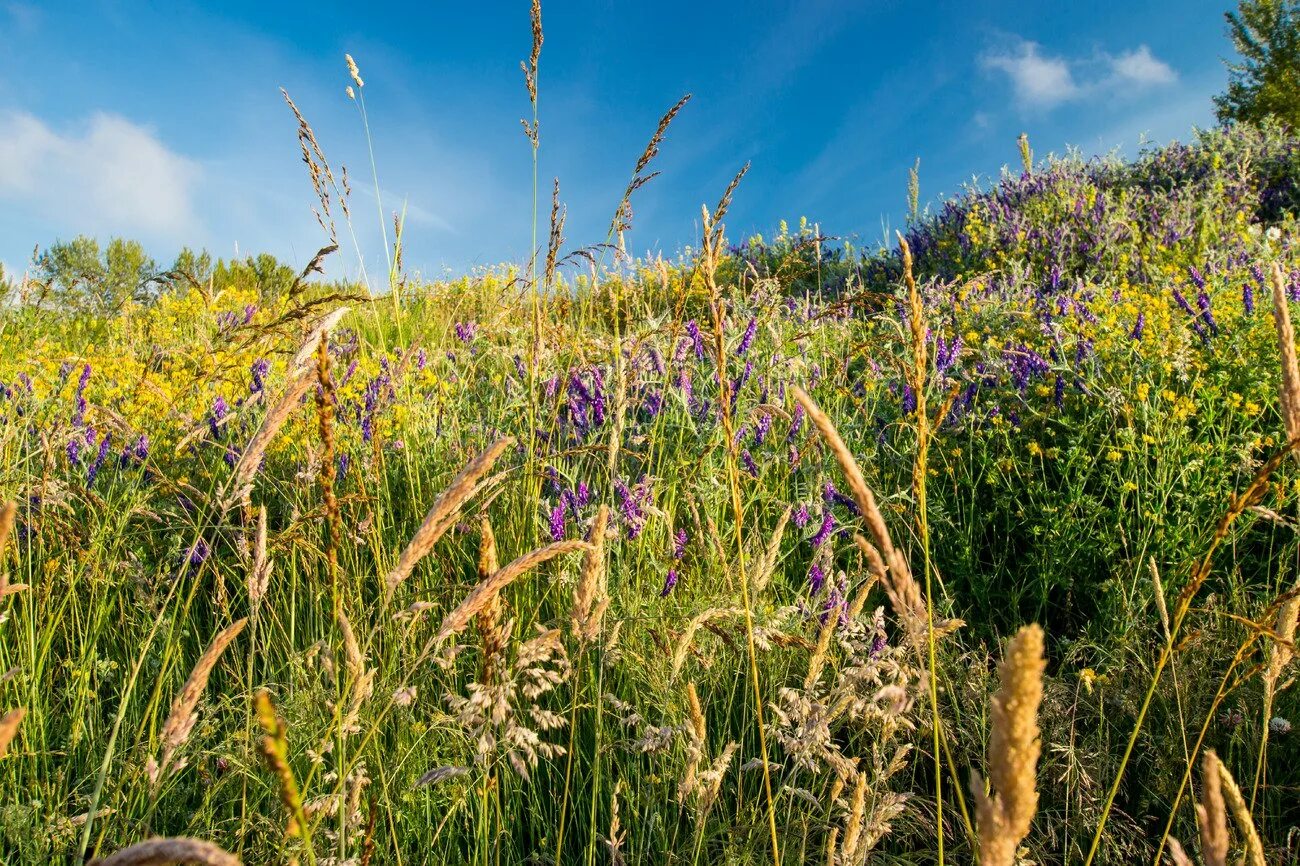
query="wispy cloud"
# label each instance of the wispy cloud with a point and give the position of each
(109, 176)
(1039, 81)
(1142, 68)
(1042, 81)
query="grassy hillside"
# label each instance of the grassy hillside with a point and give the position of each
(1054, 425)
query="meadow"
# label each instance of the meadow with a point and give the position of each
(774, 551)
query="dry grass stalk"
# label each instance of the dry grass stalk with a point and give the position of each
(443, 513)
(259, 577)
(556, 237)
(302, 360)
(1177, 854)
(9, 728)
(483, 594)
(1014, 748)
(818, 659)
(488, 619)
(589, 594)
(8, 512)
(853, 826)
(1211, 813)
(904, 593)
(683, 646)
(617, 835)
(1289, 392)
(766, 568)
(241, 482)
(164, 852)
(623, 213)
(1254, 854)
(180, 721)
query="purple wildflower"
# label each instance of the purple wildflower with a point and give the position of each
(1139, 326)
(816, 579)
(216, 415)
(801, 516)
(796, 423)
(748, 339)
(632, 505)
(258, 370)
(697, 342)
(750, 466)
(80, 417)
(1203, 301)
(98, 462)
(669, 582)
(1248, 298)
(557, 521)
(679, 544)
(835, 497)
(827, 527)
(466, 332)
(761, 429)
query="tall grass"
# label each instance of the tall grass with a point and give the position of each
(251, 579)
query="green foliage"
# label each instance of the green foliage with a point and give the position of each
(79, 277)
(1265, 82)
(262, 274)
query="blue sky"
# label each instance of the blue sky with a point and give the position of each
(163, 121)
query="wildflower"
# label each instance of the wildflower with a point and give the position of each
(466, 332)
(1248, 298)
(669, 582)
(801, 516)
(558, 521)
(216, 415)
(835, 497)
(946, 354)
(1139, 326)
(763, 427)
(750, 466)
(1203, 301)
(827, 527)
(796, 423)
(98, 462)
(1182, 303)
(697, 342)
(74, 450)
(748, 339)
(258, 370)
(816, 579)
(1278, 726)
(1197, 279)
(80, 417)
(632, 504)
(404, 696)
(197, 554)
(679, 543)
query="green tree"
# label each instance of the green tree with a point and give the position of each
(264, 274)
(1265, 82)
(80, 277)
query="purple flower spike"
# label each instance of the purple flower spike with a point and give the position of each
(816, 579)
(827, 527)
(679, 543)
(669, 583)
(557, 522)
(748, 339)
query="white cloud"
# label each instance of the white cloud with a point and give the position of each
(1039, 81)
(1142, 68)
(109, 176)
